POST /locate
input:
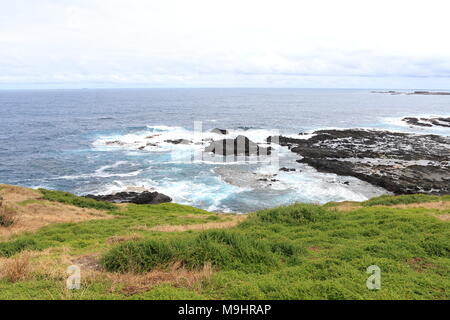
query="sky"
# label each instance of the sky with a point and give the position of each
(232, 43)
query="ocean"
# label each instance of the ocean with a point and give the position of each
(101, 141)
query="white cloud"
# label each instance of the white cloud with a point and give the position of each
(225, 43)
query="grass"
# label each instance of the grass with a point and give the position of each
(223, 249)
(82, 202)
(387, 200)
(10, 248)
(93, 235)
(293, 252)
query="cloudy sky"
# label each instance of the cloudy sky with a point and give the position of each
(232, 43)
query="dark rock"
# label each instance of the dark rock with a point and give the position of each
(241, 145)
(399, 162)
(115, 142)
(287, 169)
(418, 92)
(427, 122)
(416, 122)
(219, 131)
(178, 141)
(145, 197)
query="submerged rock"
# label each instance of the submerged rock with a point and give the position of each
(241, 145)
(399, 162)
(428, 122)
(287, 169)
(179, 141)
(145, 197)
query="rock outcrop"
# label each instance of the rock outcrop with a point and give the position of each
(241, 145)
(428, 122)
(399, 162)
(145, 197)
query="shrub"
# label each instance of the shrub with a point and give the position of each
(437, 245)
(7, 214)
(8, 249)
(224, 249)
(68, 198)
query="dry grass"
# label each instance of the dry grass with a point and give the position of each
(7, 214)
(119, 239)
(196, 216)
(234, 220)
(52, 264)
(17, 268)
(419, 264)
(441, 205)
(444, 217)
(31, 213)
(346, 206)
(176, 275)
(17, 194)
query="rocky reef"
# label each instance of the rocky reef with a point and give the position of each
(428, 122)
(145, 197)
(241, 145)
(399, 162)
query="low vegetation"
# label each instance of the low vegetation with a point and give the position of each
(7, 214)
(301, 251)
(68, 198)
(386, 200)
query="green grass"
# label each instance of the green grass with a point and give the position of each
(68, 198)
(8, 249)
(92, 235)
(387, 200)
(293, 252)
(308, 252)
(224, 249)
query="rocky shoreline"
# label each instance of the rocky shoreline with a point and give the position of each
(399, 162)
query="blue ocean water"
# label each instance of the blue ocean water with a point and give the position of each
(90, 141)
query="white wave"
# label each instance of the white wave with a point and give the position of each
(121, 186)
(157, 139)
(308, 185)
(103, 173)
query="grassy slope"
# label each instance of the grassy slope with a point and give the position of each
(295, 252)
